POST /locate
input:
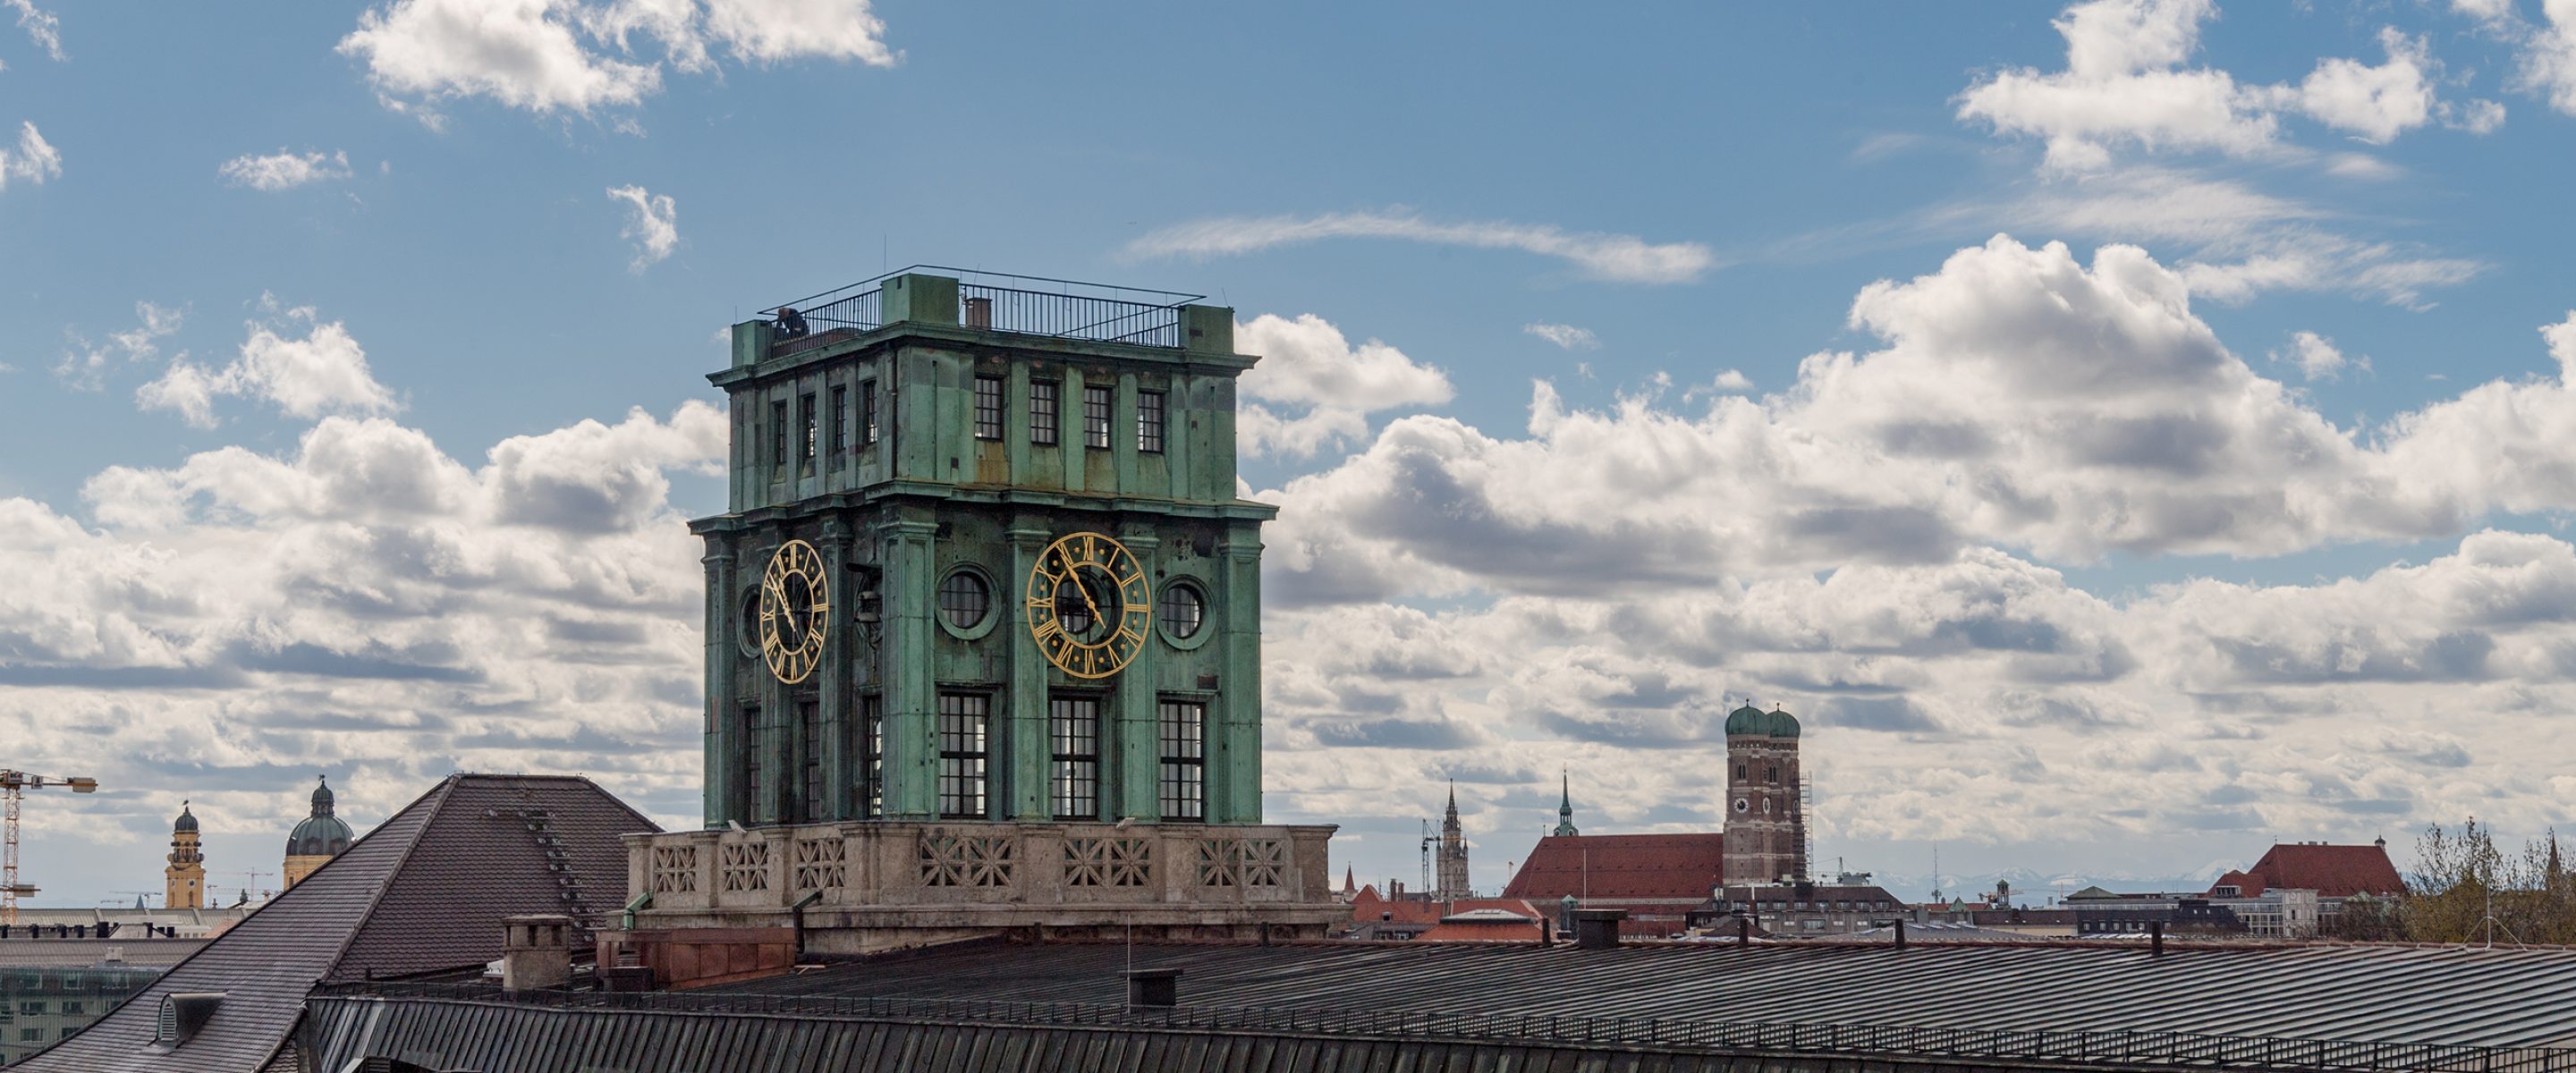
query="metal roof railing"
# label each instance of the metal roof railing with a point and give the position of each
(2114, 1046)
(1000, 301)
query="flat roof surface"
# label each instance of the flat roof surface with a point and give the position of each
(2447, 995)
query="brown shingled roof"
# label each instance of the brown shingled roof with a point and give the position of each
(425, 891)
(2331, 871)
(1620, 867)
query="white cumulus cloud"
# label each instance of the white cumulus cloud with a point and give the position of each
(1313, 389)
(323, 372)
(34, 160)
(548, 56)
(284, 169)
(652, 224)
(2317, 358)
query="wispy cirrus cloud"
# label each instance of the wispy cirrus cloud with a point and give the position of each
(1619, 258)
(1565, 336)
(35, 160)
(284, 169)
(653, 224)
(43, 27)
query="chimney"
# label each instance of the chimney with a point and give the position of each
(1597, 929)
(1153, 989)
(979, 312)
(536, 951)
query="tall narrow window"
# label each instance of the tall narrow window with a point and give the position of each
(840, 421)
(962, 754)
(1184, 778)
(867, 413)
(1095, 417)
(872, 751)
(988, 407)
(1073, 728)
(778, 434)
(752, 750)
(1149, 422)
(805, 418)
(1046, 399)
(810, 714)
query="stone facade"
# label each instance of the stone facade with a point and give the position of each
(1452, 876)
(887, 884)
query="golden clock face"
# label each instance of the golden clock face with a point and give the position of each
(795, 606)
(1089, 605)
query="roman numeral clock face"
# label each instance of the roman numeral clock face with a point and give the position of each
(1089, 605)
(795, 605)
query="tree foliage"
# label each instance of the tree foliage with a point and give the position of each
(2467, 890)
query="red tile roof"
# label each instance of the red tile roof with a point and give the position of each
(1368, 908)
(1620, 868)
(2331, 871)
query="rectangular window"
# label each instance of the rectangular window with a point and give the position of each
(1045, 400)
(1095, 417)
(872, 751)
(1149, 422)
(778, 435)
(962, 754)
(75, 1009)
(1073, 726)
(868, 413)
(805, 417)
(840, 421)
(988, 407)
(752, 748)
(1184, 778)
(810, 715)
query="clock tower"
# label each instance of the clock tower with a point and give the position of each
(1766, 817)
(983, 559)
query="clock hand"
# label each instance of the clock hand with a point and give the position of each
(1087, 601)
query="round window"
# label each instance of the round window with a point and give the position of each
(750, 621)
(964, 599)
(1182, 610)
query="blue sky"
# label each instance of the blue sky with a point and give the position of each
(301, 316)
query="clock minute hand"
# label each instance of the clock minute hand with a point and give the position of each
(1087, 601)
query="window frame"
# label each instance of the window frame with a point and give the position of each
(1046, 412)
(809, 716)
(1073, 756)
(1099, 416)
(1180, 747)
(992, 405)
(1149, 422)
(808, 420)
(753, 745)
(965, 774)
(840, 422)
(872, 754)
(777, 438)
(868, 413)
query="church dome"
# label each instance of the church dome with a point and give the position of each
(1783, 724)
(1747, 720)
(186, 823)
(321, 834)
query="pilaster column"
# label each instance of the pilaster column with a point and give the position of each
(1032, 796)
(839, 797)
(723, 752)
(1137, 762)
(1234, 736)
(911, 697)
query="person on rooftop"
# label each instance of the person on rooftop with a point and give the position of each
(791, 324)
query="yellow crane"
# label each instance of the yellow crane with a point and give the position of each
(13, 788)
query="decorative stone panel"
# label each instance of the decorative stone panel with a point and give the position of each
(1108, 862)
(675, 869)
(743, 866)
(954, 860)
(1220, 862)
(822, 863)
(1265, 861)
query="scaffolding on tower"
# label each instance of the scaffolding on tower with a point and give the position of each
(13, 789)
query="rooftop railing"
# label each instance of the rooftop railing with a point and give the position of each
(2118, 1047)
(999, 301)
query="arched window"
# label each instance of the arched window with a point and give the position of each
(1771, 772)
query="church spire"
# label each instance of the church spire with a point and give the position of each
(1565, 806)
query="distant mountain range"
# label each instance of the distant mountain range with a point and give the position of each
(2037, 888)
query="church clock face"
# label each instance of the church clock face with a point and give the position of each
(1089, 605)
(795, 606)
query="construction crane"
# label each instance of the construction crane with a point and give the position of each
(1429, 840)
(249, 887)
(13, 788)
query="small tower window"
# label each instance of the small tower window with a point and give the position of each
(962, 754)
(988, 407)
(1183, 734)
(1182, 610)
(778, 433)
(1739, 773)
(840, 421)
(810, 715)
(964, 599)
(872, 751)
(1073, 729)
(867, 413)
(1046, 399)
(1095, 417)
(1149, 422)
(805, 418)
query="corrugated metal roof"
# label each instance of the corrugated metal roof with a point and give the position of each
(2447, 995)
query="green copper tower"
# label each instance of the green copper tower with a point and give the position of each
(982, 559)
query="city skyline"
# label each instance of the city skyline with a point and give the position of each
(2125, 434)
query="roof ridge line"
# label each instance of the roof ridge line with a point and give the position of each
(402, 862)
